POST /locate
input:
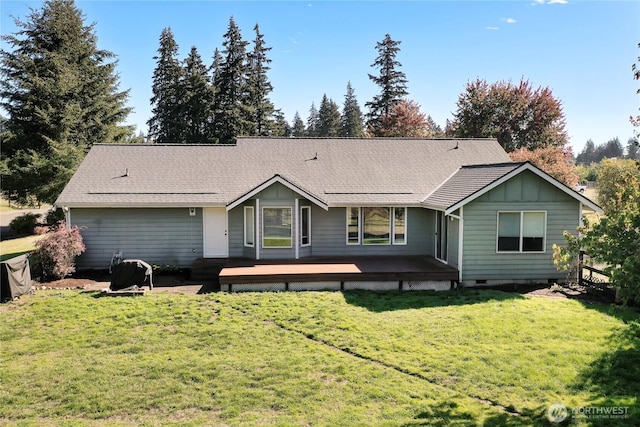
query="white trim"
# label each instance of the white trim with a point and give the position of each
(294, 218)
(268, 183)
(347, 217)
(438, 238)
(393, 225)
(253, 219)
(258, 228)
(526, 166)
(460, 242)
(521, 237)
(291, 228)
(67, 215)
(308, 226)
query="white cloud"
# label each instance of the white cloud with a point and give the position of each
(492, 28)
(540, 2)
(509, 20)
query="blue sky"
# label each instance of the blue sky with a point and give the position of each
(581, 50)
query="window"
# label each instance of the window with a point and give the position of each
(377, 226)
(353, 226)
(249, 226)
(521, 231)
(276, 227)
(305, 226)
(399, 226)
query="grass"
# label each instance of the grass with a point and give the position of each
(14, 247)
(313, 358)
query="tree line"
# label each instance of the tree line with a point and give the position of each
(62, 95)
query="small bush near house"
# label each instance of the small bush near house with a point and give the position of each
(24, 224)
(39, 230)
(54, 216)
(58, 251)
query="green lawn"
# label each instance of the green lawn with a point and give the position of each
(313, 358)
(14, 247)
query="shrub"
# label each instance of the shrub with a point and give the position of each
(24, 224)
(58, 251)
(39, 230)
(54, 216)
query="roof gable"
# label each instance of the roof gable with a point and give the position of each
(481, 179)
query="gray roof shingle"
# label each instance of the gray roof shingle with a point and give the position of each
(466, 181)
(338, 171)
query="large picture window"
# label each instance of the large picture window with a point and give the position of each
(376, 226)
(276, 227)
(249, 226)
(521, 231)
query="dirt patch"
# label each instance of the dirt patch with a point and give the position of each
(99, 280)
(567, 290)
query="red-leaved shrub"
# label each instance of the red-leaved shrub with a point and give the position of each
(57, 252)
(39, 230)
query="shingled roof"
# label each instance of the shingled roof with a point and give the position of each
(467, 181)
(333, 172)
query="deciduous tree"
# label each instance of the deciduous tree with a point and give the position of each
(556, 161)
(517, 115)
(61, 95)
(404, 120)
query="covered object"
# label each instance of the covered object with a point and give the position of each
(130, 272)
(16, 278)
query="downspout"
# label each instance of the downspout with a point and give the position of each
(67, 215)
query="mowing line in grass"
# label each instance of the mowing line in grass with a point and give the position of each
(388, 365)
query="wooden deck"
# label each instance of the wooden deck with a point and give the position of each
(337, 269)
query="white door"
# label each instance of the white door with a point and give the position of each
(216, 243)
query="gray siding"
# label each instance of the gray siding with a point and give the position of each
(157, 236)
(523, 192)
(328, 235)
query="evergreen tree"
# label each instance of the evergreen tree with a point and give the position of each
(632, 148)
(261, 110)
(312, 121)
(433, 129)
(196, 94)
(352, 122)
(166, 123)
(298, 129)
(588, 153)
(61, 94)
(329, 123)
(231, 87)
(280, 127)
(216, 110)
(392, 82)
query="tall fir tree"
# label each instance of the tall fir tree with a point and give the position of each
(196, 94)
(231, 87)
(328, 118)
(280, 126)
(298, 130)
(216, 110)
(313, 121)
(166, 124)
(392, 82)
(352, 122)
(261, 110)
(61, 93)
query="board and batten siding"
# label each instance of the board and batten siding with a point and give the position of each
(162, 236)
(524, 192)
(329, 235)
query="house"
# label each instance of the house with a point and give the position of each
(462, 202)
